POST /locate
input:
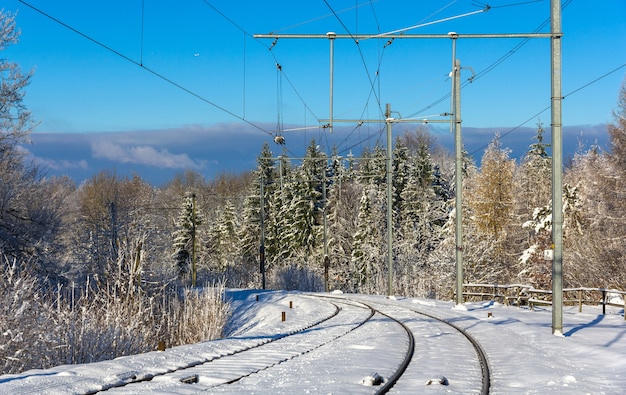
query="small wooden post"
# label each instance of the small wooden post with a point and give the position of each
(603, 301)
(284, 316)
(161, 346)
(580, 300)
(290, 304)
(257, 298)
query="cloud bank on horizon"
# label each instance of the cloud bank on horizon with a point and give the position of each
(158, 155)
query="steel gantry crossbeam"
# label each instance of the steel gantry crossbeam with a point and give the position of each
(455, 122)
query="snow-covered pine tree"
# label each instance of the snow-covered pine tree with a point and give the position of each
(342, 220)
(368, 250)
(533, 181)
(222, 242)
(533, 177)
(250, 231)
(401, 168)
(306, 206)
(536, 270)
(185, 238)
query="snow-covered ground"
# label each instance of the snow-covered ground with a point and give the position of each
(524, 356)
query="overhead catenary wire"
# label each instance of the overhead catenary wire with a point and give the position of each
(372, 83)
(144, 67)
(319, 18)
(493, 65)
(378, 79)
(269, 48)
(155, 72)
(502, 135)
(356, 40)
(286, 77)
(360, 53)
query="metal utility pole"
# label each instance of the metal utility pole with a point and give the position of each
(455, 122)
(557, 171)
(262, 247)
(331, 37)
(388, 121)
(326, 257)
(193, 239)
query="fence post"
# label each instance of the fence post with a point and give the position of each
(603, 301)
(580, 300)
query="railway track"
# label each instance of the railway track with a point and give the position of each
(468, 367)
(346, 342)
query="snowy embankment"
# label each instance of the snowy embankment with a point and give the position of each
(524, 356)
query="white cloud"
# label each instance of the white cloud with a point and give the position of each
(54, 164)
(62, 164)
(144, 155)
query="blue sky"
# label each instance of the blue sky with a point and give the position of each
(175, 70)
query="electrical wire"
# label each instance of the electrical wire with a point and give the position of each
(360, 53)
(372, 90)
(319, 18)
(496, 63)
(281, 74)
(549, 106)
(294, 89)
(485, 8)
(269, 48)
(151, 71)
(142, 30)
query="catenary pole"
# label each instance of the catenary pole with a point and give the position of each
(326, 262)
(193, 240)
(331, 37)
(557, 171)
(388, 121)
(458, 174)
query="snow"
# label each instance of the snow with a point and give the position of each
(524, 356)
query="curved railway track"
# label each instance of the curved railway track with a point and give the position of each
(395, 310)
(225, 374)
(229, 368)
(359, 339)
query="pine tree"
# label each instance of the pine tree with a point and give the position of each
(222, 242)
(250, 233)
(364, 246)
(185, 243)
(533, 192)
(423, 213)
(533, 177)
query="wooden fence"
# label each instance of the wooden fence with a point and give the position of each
(526, 295)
